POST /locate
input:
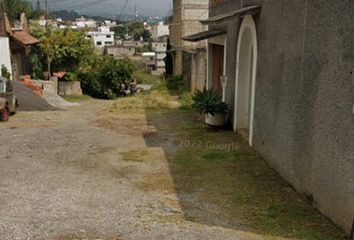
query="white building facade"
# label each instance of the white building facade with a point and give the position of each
(103, 37)
(5, 56)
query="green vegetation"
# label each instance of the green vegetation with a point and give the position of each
(74, 99)
(230, 185)
(14, 8)
(144, 77)
(209, 102)
(104, 77)
(138, 32)
(134, 29)
(70, 52)
(121, 31)
(60, 50)
(5, 72)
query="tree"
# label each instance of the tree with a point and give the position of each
(14, 8)
(105, 78)
(138, 32)
(120, 31)
(62, 50)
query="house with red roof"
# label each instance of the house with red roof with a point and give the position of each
(15, 44)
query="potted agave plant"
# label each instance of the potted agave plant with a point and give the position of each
(209, 103)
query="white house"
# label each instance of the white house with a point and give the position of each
(5, 56)
(103, 37)
(85, 23)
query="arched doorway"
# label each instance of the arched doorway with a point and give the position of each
(246, 78)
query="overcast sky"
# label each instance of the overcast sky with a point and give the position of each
(145, 7)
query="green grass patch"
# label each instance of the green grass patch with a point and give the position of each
(74, 99)
(219, 169)
(145, 78)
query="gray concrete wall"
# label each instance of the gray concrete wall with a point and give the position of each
(304, 122)
(70, 88)
(304, 119)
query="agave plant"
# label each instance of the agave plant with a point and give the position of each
(209, 101)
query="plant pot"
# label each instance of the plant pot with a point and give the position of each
(46, 76)
(218, 120)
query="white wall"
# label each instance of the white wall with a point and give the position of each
(5, 55)
(103, 38)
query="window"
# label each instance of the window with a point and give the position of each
(108, 43)
(108, 36)
(2, 85)
(88, 36)
(99, 43)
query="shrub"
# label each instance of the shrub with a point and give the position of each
(104, 80)
(37, 67)
(209, 102)
(176, 84)
(5, 72)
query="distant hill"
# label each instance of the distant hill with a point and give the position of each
(65, 15)
(72, 15)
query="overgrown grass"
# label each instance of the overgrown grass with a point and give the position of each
(74, 99)
(220, 170)
(145, 78)
(217, 169)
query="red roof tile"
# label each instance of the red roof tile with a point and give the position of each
(24, 38)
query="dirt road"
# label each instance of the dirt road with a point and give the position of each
(83, 174)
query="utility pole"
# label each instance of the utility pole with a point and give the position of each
(38, 6)
(136, 13)
(46, 7)
(2, 7)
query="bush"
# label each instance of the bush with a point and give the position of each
(5, 72)
(143, 77)
(104, 80)
(209, 102)
(176, 84)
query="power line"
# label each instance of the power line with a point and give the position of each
(123, 9)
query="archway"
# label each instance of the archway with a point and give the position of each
(246, 78)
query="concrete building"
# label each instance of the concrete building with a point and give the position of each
(120, 51)
(290, 75)
(160, 49)
(189, 58)
(101, 38)
(160, 30)
(85, 23)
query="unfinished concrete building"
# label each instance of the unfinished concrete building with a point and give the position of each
(189, 58)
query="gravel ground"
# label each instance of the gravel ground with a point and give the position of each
(28, 101)
(65, 175)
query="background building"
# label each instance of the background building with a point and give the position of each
(189, 58)
(160, 30)
(101, 38)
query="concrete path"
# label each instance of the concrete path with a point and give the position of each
(72, 175)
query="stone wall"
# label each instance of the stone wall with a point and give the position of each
(70, 88)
